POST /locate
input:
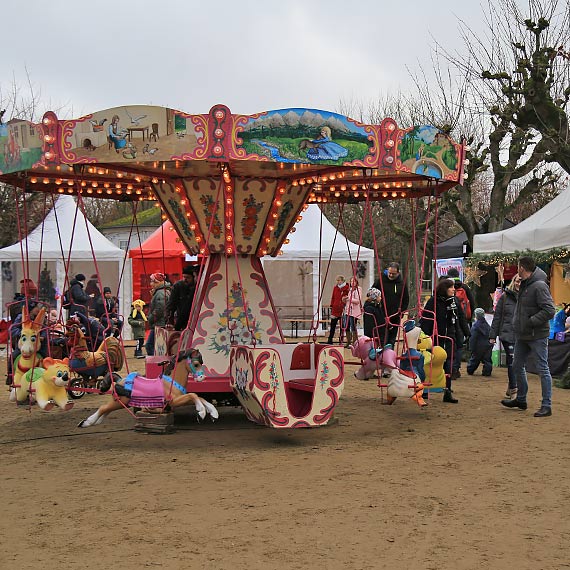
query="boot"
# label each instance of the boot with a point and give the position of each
(138, 353)
(349, 339)
(448, 397)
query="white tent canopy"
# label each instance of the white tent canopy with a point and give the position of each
(66, 235)
(293, 277)
(546, 229)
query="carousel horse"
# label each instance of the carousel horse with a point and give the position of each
(92, 364)
(154, 394)
(372, 358)
(29, 343)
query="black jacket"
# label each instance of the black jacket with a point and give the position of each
(534, 308)
(77, 297)
(373, 317)
(394, 293)
(502, 325)
(180, 304)
(450, 319)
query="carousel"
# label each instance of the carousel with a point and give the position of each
(234, 186)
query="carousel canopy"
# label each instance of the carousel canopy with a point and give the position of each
(229, 183)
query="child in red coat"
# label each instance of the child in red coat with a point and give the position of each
(337, 305)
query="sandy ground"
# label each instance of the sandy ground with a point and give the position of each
(467, 486)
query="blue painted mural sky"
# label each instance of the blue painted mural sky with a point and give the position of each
(251, 55)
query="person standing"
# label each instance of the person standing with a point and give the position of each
(479, 345)
(533, 310)
(396, 299)
(157, 309)
(337, 305)
(502, 327)
(137, 319)
(465, 299)
(181, 298)
(443, 320)
(352, 311)
(374, 318)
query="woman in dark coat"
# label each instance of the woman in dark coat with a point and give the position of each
(450, 329)
(502, 327)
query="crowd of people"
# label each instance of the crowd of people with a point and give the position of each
(523, 321)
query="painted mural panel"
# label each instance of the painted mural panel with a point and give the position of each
(20, 145)
(133, 133)
(305, 136)
(426, 150)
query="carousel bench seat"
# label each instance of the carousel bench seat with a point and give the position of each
(303, 384)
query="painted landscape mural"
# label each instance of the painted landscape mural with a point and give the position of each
(305, 136)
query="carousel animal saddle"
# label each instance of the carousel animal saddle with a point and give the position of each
(145, 392)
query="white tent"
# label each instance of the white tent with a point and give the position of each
(546, 229)
(294, 276)
(65, 235)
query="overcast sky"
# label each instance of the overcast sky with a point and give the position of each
(250, 55)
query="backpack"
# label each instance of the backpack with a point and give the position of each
(463, 300)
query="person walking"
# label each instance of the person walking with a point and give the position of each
(337, 306)
(157, 309)
(502, 328)
(479, 345)
(533, 310)
(444, 321)
(396, 299)
(180, 301)
(352, 311)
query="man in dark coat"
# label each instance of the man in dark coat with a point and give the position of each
(180, 302)
(395, 299)
(107, 310)
(77, 298)
(533, 310)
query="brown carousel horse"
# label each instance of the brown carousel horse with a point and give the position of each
(92, 364)
(155, 394)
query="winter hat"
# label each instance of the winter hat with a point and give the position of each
(80, 277)
(479, 313)
(138, 305)
(409, 325)
(27, 286)
(158, 277)
(106, 290)
(453, 272)
(187, 270)
(374, 293)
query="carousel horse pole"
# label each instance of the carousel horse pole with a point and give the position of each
(173, 391)
(29, 343)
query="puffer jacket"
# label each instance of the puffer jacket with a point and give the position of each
(534, 308)
(502, 325)
(157, 309)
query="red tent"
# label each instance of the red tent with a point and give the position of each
(163, 252)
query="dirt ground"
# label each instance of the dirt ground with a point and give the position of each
(466, 486)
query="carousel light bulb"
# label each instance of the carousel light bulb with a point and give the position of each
(46, 180)
(394, 194)
(70, 182)
(228, 238)
(106, 185)
(337, 194)
(117, 186)
(287, 241)
(229, 250)
(270, 228)
(61, 190)
(33, 180)
(264, 252)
